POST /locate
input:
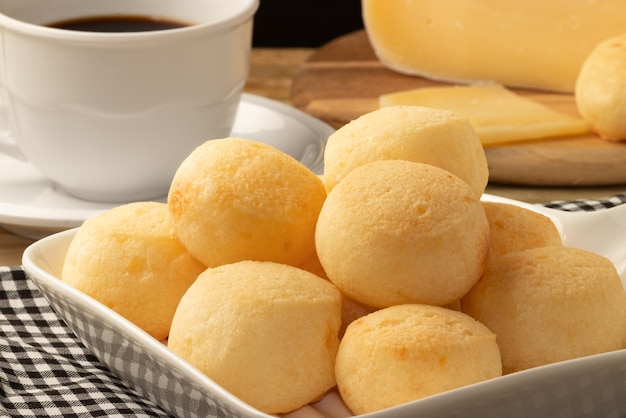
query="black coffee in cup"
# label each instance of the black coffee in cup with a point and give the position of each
(119, 23)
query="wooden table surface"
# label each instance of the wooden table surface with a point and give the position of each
(271, 74)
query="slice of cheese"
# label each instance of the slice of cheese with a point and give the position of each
(498, 114)
(531, 43)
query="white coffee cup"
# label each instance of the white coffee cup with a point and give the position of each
(110, 116)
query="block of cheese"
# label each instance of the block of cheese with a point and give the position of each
(531, 43)
(498, 114)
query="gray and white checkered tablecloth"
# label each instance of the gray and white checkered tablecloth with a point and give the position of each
(45, 371)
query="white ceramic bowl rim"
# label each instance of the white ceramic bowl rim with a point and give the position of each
(237, 17)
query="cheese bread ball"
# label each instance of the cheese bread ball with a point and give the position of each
(550, 304)
(266, 332)
(514, 228)
(129, 259)
(413, 133)
(394, 232)
(600, 89)
(235, 199)
(407, 352)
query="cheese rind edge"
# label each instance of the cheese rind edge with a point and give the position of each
(532, 44)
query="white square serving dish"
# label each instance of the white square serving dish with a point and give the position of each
(593, 386)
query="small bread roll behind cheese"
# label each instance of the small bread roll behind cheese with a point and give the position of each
(413, 133)
(600, 89)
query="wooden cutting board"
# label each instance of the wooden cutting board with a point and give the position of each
(343, 80)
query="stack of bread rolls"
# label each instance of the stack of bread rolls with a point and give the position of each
(386, 276)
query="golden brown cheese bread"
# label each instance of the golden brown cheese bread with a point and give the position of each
(514, 228)
(266, 332)
(235, 199)
(601, 88)
(394, 232)
(413, 133)
(550, 304)
(407, 352)
(129, 259)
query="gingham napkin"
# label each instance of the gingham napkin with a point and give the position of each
(587, 205)
(45, 371)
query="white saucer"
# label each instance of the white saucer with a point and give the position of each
(31, 206)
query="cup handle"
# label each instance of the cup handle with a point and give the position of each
(8, 146)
